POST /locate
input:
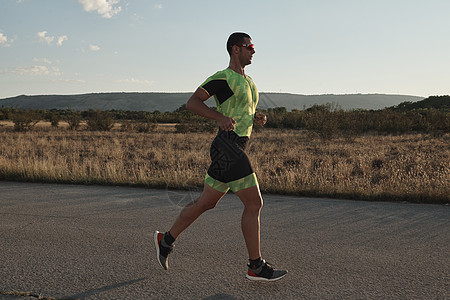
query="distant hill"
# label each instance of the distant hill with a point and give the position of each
(171, 101)
(438, 102)
(347, 102)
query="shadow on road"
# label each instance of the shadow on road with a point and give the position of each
(220, 297)
(106, 288)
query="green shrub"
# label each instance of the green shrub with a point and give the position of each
(24, 120)
(54, 120)
(100, 121)
(74, 120)
(205, 126)
(145, 126)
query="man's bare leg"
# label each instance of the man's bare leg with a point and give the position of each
(258, 269)
(207, 200)
(164, 242)
(252, 200)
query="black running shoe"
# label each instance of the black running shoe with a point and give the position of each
(162, 249)
(265, 272)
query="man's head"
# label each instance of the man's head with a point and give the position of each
(239, 46)
(237, 38)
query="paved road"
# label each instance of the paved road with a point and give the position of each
(91, 242)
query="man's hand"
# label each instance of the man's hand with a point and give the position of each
(196, 105)
(226, 123)
(260, 119)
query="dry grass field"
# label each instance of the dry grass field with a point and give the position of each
(412, 168)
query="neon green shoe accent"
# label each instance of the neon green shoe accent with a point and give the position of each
(216, 184)
(243, 183)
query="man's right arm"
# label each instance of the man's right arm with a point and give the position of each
(196, 105)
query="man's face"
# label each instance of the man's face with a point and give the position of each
(246, 52)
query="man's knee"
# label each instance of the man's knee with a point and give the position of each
(251, 198)
(255, 204)
(209, 205)
(206, 202)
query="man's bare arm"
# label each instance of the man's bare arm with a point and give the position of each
(196, 105)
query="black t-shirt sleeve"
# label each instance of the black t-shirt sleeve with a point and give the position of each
(220, 88)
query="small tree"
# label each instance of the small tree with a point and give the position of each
(323, 119)
(54, 120)
(146, 126)
(24, 120)
(100, 120)
(74, 119)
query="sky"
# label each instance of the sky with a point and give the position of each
(308, 47)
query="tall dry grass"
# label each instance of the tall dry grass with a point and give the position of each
(408, 167)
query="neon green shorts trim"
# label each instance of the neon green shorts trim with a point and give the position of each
(236, 185)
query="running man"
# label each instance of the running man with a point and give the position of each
(236, 98)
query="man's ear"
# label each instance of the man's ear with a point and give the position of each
(235, 49)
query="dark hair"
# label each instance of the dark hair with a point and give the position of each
(236, 38)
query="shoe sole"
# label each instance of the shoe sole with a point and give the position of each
(263, 279)
(155, 238)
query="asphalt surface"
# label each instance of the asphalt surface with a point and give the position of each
(91, 242)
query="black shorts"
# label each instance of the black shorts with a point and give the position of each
(230, 166)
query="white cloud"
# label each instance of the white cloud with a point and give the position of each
(33, 70)
(158, 6)
(69, 80)
(104, 8)
(61, 39)
(94, 47)
(37, 70)
(44, 38)
(44, 60)
(136, 81)
(4, 40)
